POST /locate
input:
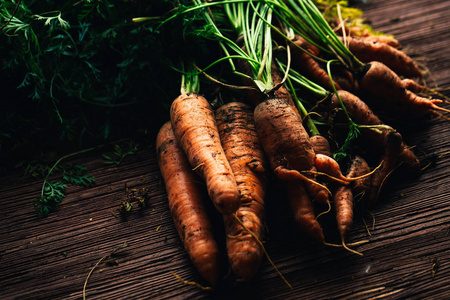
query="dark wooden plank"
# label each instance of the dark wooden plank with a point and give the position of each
(50, 258)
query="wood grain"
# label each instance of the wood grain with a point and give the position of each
(50, 258)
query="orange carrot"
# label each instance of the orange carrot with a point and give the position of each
(359, 167)
(343, 204)
(244, 152)
(361, 114)
(396, 60)
(329, 166)
(307, 65)
(287, 145)
(389, 162)
(303, 209)
(411, 85)
(320, 145)
(393, 42)
(366, 35)
(342, 193)
(186, 202)
(196, 131)
(381, 84)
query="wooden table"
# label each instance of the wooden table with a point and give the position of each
(409, 230)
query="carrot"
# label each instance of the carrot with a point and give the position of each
(393, 42)
(361, 114)
(186, 203)
(396, 60)
(359, 167)
(320, 145)
(381, 83)
(342, 193)
(343, 204)
(254, 96)
(287, 145)
(389, 162)
(344, 196)
(307, 65)
(303, 209)
(344, 78)
(329, 166)
(196, 131)
(411, 85)
(366, 35)
(247, 160)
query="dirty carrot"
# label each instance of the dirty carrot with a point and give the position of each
(303, 209)
(375, 130)
(320, 145)
(247, 160)
(343, 204)
(287, 145)
(186, 202)
(359, 167)
(385, 88)
(196, 131)
(306, 64)
(393, 42)
(394, 59)
(389, 162)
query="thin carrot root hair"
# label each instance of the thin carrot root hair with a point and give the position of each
(351, 250)
(373, 224)
(299, 175)
(427, 91)
(358, 197)
(234, 236)
(345, 181)
(345, 246)
(264, 250)
(442, 116)
(384, 180)
(325, 212)
(367, 174)
(357, 243)
(198, 166)
(193, 283)
(440, 108)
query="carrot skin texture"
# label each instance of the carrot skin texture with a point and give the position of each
(412, 86)
(320, 145)
(303, 209)
(356, 32)
(381, 84)
(186, 203)
(303, 61)
(286, 144)
(196, 131)
(247, 159)
(343, 204)
(383, 39)
(328, 165)
(389, 161)
(361, 114)
(395, 59)
(359, 167)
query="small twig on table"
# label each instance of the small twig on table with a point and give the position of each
(95, 266)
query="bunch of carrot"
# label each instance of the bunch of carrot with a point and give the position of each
(229, 154)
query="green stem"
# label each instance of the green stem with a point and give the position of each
(70, 155)
(59, 161)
